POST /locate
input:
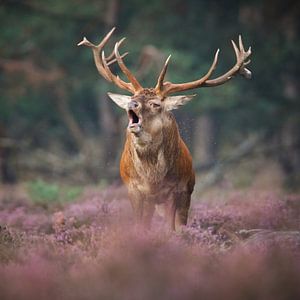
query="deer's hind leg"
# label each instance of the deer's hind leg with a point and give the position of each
(182, 204)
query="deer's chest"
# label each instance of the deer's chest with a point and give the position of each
(151, 176)
(151, 170)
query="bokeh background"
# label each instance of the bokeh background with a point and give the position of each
(57, 124)
(66, 225)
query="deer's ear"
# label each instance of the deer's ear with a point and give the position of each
(174, 102)
(120, 100)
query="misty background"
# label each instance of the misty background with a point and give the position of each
(57, 123)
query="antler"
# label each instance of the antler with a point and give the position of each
(239, 67)
(103, 63)
(130, 76)
(166, 88)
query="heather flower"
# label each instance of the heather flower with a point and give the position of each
(244, 246)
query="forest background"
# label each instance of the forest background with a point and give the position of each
(57, 123)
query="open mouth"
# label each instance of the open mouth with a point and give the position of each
(133, 118)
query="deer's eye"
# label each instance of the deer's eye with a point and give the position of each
(154, 104)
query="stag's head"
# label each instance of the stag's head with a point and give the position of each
(147, 107)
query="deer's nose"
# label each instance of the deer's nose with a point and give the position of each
(133, 104)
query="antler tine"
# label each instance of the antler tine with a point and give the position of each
(87, 43)
(125, 70)
(119, 82)
(112, 54)
(111, 58)
(169, 88)
(96, 51)
(241, 44)
(239, 67)
(162, 75)
(102, 64)
(110, 62)
(236, 50)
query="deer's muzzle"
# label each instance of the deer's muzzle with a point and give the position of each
(135, 119)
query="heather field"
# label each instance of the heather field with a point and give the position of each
(237, 245)
(72, 118)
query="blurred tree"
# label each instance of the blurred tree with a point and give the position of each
(38, 43)
(7, 170)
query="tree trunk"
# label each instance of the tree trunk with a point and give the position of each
(108, 122)
(206, 139)
(7, 157)
(288, 153)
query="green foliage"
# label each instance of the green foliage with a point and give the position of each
(47, 33)
(45, 193)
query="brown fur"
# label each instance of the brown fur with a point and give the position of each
(156, 165)
(157, 168)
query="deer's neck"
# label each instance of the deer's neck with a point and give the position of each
(153, 155)
(161, 138)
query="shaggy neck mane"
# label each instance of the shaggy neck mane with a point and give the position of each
(165, 143)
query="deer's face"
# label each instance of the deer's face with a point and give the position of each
(147, 111)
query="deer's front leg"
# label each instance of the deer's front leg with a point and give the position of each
(148, 211)
(169, 212)
(143, 208)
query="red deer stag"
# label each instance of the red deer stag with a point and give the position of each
(156, 165)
